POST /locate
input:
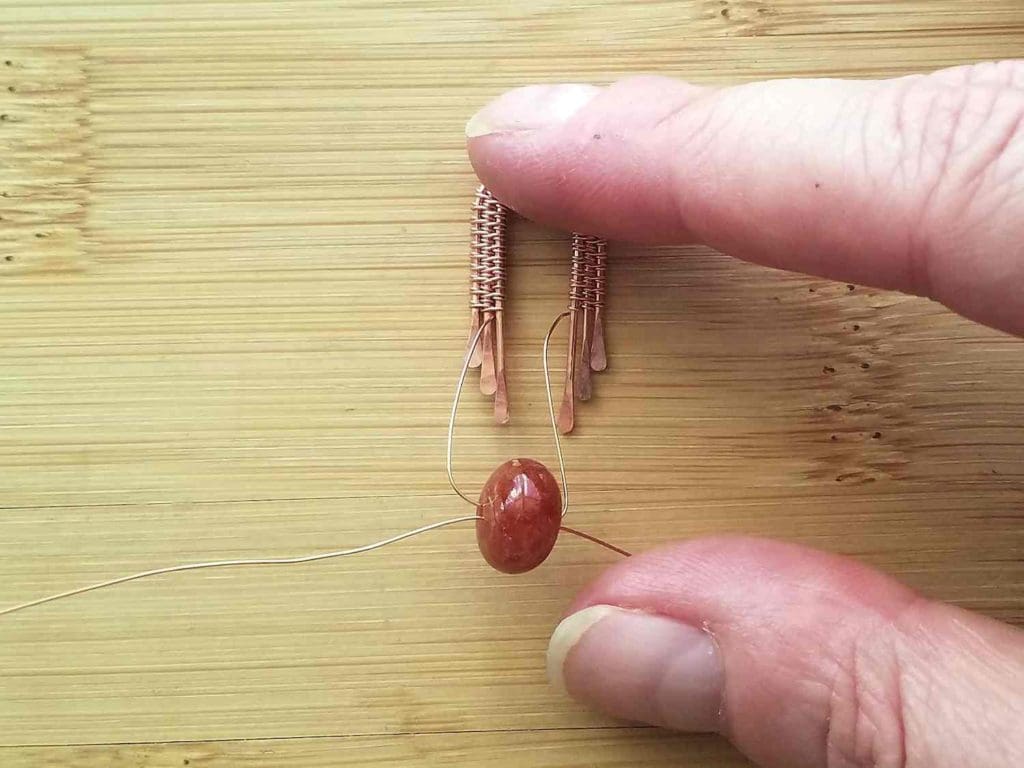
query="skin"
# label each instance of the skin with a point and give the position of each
(913, 184)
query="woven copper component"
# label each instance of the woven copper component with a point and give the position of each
(587, 287)
(487, 297)
(586, 351)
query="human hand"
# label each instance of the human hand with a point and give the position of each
(801, 658)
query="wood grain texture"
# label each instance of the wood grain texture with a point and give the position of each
(233, 246)
(602, 748)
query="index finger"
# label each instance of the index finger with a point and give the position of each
(915, 184)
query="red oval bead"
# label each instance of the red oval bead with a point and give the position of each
(521, 507)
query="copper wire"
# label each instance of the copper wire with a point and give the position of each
(587, 287)
(487, 296)
(582, 287)
(599, 272)
(589, 272)
(567, 413)
(383, 542)
(487, 253)
(487, 302)
(596, 540)
(551, 411)
(586, 350)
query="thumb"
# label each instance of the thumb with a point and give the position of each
(912, 184)
(802, 659)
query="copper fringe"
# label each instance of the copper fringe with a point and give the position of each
(586, 352)
(487, 297)
(587, 286)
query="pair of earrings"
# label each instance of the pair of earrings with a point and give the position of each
(586, 352)
(520, 509)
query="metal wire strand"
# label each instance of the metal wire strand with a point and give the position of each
(596, 540)
(455, 407)
(384, 542)
(551, 410)
(588, 275)
(487, 252)
(242, 562)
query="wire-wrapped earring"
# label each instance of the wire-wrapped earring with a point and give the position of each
(587, 286)
(487, 298)
(520, 509)
(586, 352)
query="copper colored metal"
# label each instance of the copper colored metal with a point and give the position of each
(586, 352)
(261, 561)
(599, 276)
(487, 298)
(567, 413)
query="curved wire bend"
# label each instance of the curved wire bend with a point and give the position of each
(455, 406)
(376, 544)
(551, 410)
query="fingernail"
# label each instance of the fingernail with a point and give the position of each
(532, 107)
(639, 667)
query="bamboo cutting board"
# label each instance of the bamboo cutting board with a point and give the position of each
(233, 242)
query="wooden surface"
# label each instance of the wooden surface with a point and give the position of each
(232, 306)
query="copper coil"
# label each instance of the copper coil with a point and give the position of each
(587, 288)
(487, 253)
(487, 297)
(493, 266)
(599, 272)
(586, 352)
(588, 274)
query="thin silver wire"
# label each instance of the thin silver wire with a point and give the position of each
(377, 544)
(455, 407)
(233, 563)
(551, 411)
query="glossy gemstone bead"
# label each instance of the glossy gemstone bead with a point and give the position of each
(521, 507)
